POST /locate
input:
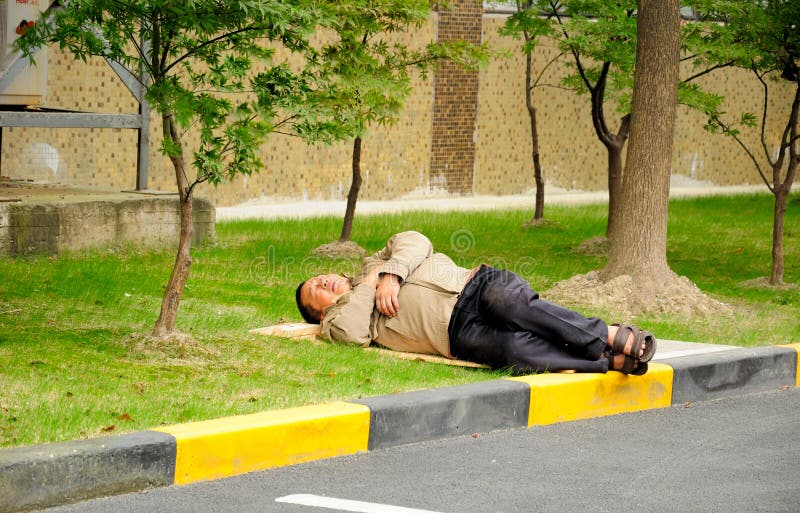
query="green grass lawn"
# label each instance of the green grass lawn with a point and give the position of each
(76, 361)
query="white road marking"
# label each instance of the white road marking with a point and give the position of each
(319, 501)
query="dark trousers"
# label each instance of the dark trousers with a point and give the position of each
(500, 321)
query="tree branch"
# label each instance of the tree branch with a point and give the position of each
(167, 46)
(140, 51)
(210, 42)
(624, 127)
(794, 158)
(554, 86)
(598, 114)
(575, 54)
(541, 74)
(156, 44)
(764, 115)
(284, 121)
(792, 125)
(707, 71)
(197, 182)
(726, 130)
(286, 133)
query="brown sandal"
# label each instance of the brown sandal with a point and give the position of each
(631, 365)
(640, 337)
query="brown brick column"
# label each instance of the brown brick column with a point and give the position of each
(455, 104)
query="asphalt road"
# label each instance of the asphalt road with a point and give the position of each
(731, 455)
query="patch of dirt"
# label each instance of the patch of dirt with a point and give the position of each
(338, 249)
(763, 283)
(676, 296)
(596, 246)
(176, 349)
(535, 223)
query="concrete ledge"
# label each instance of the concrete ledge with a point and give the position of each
(446, 412)
(235, 445)
(54, 227)
(705, 377)
(565, 397)
(48, 475)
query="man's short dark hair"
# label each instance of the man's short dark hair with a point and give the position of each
(310, 315)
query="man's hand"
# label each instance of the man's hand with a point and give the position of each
(386, 294)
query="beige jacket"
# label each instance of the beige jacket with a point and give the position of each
(430, 285)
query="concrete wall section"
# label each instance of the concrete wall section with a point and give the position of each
(54, 227)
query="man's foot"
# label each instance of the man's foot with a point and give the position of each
(630, 340)
(626, 364)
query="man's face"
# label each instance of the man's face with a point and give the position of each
(322, 291)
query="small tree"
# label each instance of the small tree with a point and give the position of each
(763, 38)
(199, 57)
(370, 77)
(529, 25)
(601, 37)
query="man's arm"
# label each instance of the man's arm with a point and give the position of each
(349, 319)
(403, 253)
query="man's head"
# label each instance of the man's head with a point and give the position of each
(316, 294)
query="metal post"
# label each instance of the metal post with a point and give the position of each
(143, 146)
(143, 155)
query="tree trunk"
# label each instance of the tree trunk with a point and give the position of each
(614, 184)
(782, 188)
(614, 144)
(639, 243)
(165, 325)
(538, 212)
(352, 194)
(776, 276)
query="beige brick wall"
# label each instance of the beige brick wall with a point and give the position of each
(570, 155)
(397, 159)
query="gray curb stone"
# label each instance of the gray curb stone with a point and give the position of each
(726, 373)
(60, 473)
(446, 412)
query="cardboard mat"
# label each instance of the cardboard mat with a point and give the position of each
(304, 331)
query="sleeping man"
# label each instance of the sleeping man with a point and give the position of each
(409, 298)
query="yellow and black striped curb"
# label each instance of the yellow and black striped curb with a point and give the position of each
(46, 475)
